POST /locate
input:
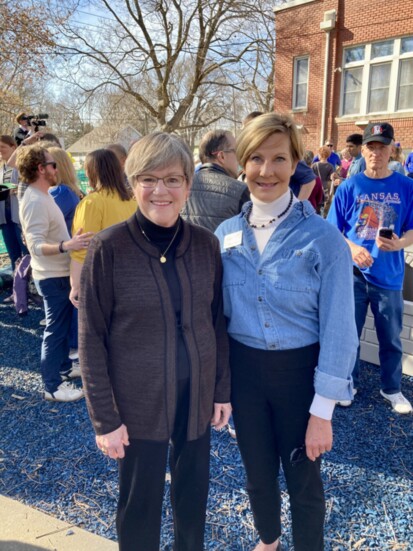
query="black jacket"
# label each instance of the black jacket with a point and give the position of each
(214, 197)
(127, 332)
(20, 134)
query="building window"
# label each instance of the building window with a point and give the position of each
(353, 79)
(300, 85)
(405, 96)
(379, 87)
(378, 77)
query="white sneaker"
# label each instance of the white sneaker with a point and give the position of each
(43, 322)
(73, 354)
(399, 403)
(347, 403)
(65, 393)
(73, 373)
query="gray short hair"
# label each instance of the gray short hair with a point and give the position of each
(157, 151)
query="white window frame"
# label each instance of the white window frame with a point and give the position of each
(395, 60)
(296, 107)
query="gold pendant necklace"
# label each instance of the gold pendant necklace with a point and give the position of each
(162, 258)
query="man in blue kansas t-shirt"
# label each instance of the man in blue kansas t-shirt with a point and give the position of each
(367, 202)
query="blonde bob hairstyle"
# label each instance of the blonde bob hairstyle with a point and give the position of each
(264, 126)
(66, 173)
(158, 151)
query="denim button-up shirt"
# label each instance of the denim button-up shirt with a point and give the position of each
(299, 291)
(357, 165)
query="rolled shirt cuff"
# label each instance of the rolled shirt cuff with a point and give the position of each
(322, 407)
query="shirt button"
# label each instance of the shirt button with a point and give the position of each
(267, 324)
(272, 346)
(259, 299)
(298, 253)
(259, 272)
(253, 248)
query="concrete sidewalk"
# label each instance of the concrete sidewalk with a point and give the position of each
(25, 529)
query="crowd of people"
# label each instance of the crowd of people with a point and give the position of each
(176, 328)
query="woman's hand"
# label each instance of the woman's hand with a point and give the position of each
(319, 437)
(75, 271)
(74, 296)
(113, 444)
(222, 413)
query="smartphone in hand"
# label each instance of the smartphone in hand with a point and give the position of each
(386, 232)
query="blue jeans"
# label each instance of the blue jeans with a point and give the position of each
(387, 308)
(12, 237)
(73, 336)
(55, 346)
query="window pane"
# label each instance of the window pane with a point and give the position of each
(379, 87)
(300, 83)
(353, 80)
(405, 98)
(302, 70)
(301, 95)
(380, 49)
(407, 45)
(354, 54)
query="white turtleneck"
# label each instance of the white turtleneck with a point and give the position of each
(262, 213)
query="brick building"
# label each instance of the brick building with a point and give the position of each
(339, 65)
(343, 63)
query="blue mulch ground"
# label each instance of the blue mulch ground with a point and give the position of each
(48, 460)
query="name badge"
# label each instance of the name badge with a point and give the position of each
(233, 239)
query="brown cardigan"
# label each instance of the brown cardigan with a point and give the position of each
(127, 332)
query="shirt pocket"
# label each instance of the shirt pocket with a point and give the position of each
(234, 264)
(294, 270)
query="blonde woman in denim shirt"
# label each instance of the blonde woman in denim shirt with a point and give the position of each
(288, 297)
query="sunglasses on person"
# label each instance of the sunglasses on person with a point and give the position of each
(51, 163)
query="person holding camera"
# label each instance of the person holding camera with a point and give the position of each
(28, 127)
(374, 211)
(23, 131)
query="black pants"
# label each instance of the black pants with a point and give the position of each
(271, 396)
(141, 487)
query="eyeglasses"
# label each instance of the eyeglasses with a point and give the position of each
(150, 182)
(51, 163)
(329, 145)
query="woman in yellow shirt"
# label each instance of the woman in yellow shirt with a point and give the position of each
(108, 203)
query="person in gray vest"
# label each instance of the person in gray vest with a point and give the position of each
(216, 195)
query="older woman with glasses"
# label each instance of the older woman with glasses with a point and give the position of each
(288, 299)
(153, 349)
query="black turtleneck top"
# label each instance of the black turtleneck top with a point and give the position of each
(161, 237)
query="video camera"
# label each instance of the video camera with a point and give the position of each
(36, 120)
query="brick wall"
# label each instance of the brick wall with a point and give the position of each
(298, 33)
